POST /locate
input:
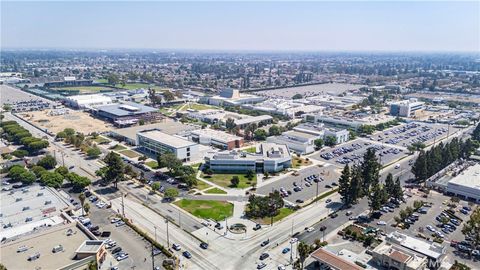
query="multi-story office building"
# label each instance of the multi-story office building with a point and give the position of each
(269, 157)
(216, 138)
(406, 108)
(299, 142)
(156, 142)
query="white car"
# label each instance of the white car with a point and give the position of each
(122, 257)
(430, 228)
(281, 267)
(311, 229)
(293, 240)
(115, 220)
(120, 223)
(381, 222)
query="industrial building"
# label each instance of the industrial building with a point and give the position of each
(466, 185)
(268, 157)
(87, 101)
(406, 108)
(216, 138)
(346, 120)
(287, 107)
(213, 116)
(129, 134)
(156, 143)
(126, 113)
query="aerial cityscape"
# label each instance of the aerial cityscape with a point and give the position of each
(240, 135)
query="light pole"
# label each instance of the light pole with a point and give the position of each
(155, 227)
(168, 238)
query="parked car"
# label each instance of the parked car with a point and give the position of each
(176, 247)
(263, 256)
(261, 265)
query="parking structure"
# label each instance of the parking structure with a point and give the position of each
(352, 153)
(301, 186)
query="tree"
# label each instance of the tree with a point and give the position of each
(356, 184)
(62, 170)
(170, 161)
(82, 198)
(27, 178)
(476, 133)
(303, 250)
(274, 130)
(20, 153)
(48, 162)
(52, 179)
(156, 186)
(419, 168)
(249, 131)
(61, 135)
(230, 125)
(15, 172)
(37, 145)
(94, 152)
(78, 182)
(113, 79)
(115, 169)
(344, 188)
(397, 190)
(330, 141)
(260, 135)
(169, 96)
(171, 193)
(69, 131)
(235, 181)
(472, 227)
(370, 168)
(318, 143)
(250, 174)
(38, 170)
(389, 184)
(377, 197)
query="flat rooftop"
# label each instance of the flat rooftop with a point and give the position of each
(168, 127)
(166, 139)
(432, 250)
(216, 134)
(90, 246)
(43, 243)
(126, 109)
(36, 202)
(469, 177)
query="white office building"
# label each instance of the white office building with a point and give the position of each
(299, 142)
(406, 108)
(269, 157)
(216, 138)
(156, 142)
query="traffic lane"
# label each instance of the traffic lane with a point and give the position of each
(166, 210)
(138, 249)
(329, 175)
(332, 224)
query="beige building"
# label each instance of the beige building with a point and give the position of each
(396, 258)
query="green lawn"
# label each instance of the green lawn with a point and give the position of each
(101, 80)
(101, 140)
(118, 147)
(152, 164)
(215, 190)
(298, 162)
(84, 89)
(215, 210)
(201, 185)
(284, 212)
(223, 179)
(252, 149)
(130, 153)
(131, 86)
(197, 106)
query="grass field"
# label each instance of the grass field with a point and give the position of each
(101, 80)
(130, 153)
(100, 140)
(152, 164)
(284, 212)
(84, 89)
(252, 149)
(197, 106)
(298, 162)
(223, 179)
(215, 190)
(118, 147)
(201, 185)
(215, 210)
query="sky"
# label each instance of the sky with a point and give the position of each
(258, 26)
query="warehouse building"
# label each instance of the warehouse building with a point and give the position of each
(87, 101)
(466, 185)
(213, 116)
(269, 157)
(126, 113)
(216, 138)
(156, 143)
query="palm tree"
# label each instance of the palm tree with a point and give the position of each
(303, 251)
(82, 198)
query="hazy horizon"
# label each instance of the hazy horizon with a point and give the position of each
(375, 27)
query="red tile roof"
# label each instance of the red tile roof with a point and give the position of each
(334, 261)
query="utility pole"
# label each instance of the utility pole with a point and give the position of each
(153, 259)
(123, 207)
(168, 238)
(155, 233)
(316, 196)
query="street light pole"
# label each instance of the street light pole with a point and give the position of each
(155, 233)
(168, 239)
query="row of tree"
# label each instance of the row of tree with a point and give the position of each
(77, 139)
(15, 133)
(362, 180)
(438, 157)
(264, 206)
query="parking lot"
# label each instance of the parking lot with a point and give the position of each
(327, 175)
(353, 152)
(22, 101)
(407, 134)
(31, 205)
(128, 240)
